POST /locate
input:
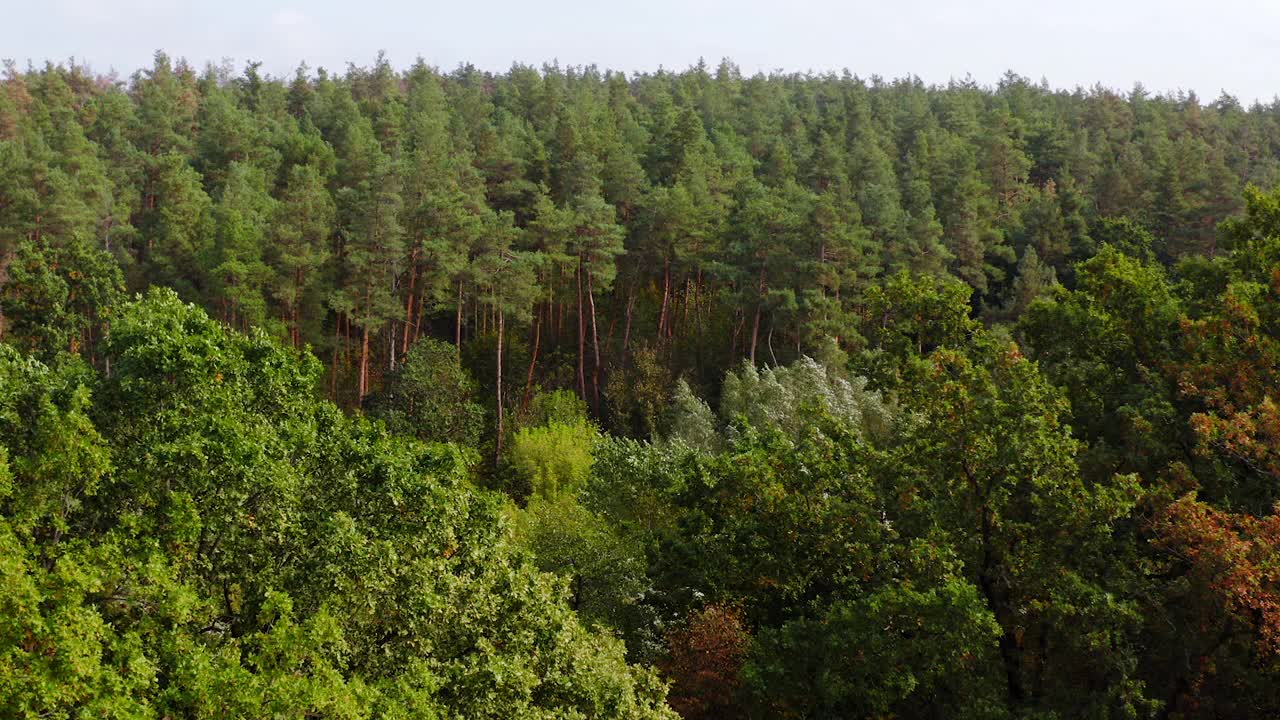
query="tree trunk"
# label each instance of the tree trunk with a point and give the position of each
(408, 309)
(666, 297)
(457, 328)
(560, 323)
(533, 361)
(501, 329)
(391, 345)
(333, 371)
(364, 368)
(755, 328)
(346, 346)
(755, 334)
(295, 331)
(684, 303)
(626, 332)
(417, 322)
(737, 332)
(595, 345)
(582, 339)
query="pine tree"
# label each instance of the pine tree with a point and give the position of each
(372, 254)
(507, 283)
(239, 272)
(303, 222)
(1033, 279)
(596, 243)
(176, 232)
(444, 208)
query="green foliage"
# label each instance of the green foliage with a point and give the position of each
(636, 395)
(606, 570)
(690, 421)
(706, 217)
(302, 225)
(178, 230)
(785, 398)
(926, 521)
(556, 458)
(1034, 279)
(54, 460)
(986, 462)
(1105, 344)
(431, 397)
(907, 318)
(793, 530)
(57, 299)
(216, 526)
(557, 406)
(1128, 237)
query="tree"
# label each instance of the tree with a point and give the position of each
(240, 274)
(59, 299)
(1034, 279)
(768, 232)
(1224, 607)
(988, 467)
(177, 230)
(506, 276)
(785, 398)
(706, 657)
(1106, 343)
(303, 223)
(605, 570)
(596, 241)
(372, 252)
(1044, 228)
(444, 209)
(967, 211)
(431, 396)
(217, 524)
(555, 458)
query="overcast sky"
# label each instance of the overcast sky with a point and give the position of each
(1208, 47)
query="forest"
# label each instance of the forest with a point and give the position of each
(570, 393)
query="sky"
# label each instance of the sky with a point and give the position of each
(1171, 45)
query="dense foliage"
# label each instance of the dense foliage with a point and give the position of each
(604, 230)
(562, 393)
(194, 535)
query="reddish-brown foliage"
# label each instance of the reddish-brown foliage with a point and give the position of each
(705, 657)
(1234, 370)
(1233, 561)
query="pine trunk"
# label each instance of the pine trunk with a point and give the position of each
(666, 297)
(457, 328)
(582, 340)
(595, 346)
(346, 346)
(737, 333)
(533, 361)
(501, 328)
(333, 371)
(391, 346)
(417, 322)
(364, 367)
(626, 332)
(755, 327)
(755, 334)
(408, 309)
(295, 331)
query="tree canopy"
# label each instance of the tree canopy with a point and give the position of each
(568, 393)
